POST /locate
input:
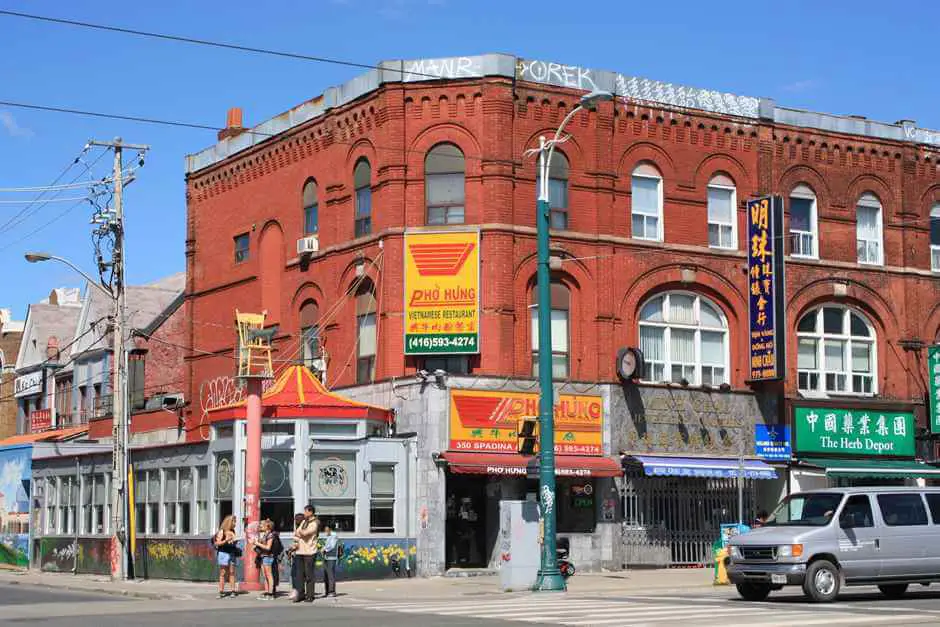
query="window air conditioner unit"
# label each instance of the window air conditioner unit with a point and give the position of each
(308, 245)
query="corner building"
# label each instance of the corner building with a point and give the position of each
(649, 250)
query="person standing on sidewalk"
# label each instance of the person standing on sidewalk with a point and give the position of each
(227, 552)
(330, 557)
(296, 573)
(306, 540)
(265, 558)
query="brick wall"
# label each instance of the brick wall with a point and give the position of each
(609, 274)
(9, 346)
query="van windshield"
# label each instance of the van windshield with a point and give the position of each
(807, 510)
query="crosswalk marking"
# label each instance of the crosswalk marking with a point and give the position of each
(643, 611)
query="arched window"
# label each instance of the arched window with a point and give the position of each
(935, 238)
(836, 352)
(722, 216)
(311, 208)
(803, 222)
(362, 181)
(310, 334)
(869, 230)
(561, 303)
(684, 336)
(365, 333)
(444, 185)
(557, 190)
(647, 202)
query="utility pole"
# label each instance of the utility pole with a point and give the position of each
(120, 534)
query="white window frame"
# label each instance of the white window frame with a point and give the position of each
(805, 192)
(383, 499)
(870, 201)
(649, 172)
(87, 527)
(718, 182)
(697, 328)
(52, 505)
(177, 504)
(934, 248)
(64, 494)
(848, 339)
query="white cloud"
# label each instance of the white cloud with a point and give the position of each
(12, 127)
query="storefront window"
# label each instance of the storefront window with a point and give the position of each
(177, 500)
(382, 504)
(577, 512)
(52, 504)
(224, 478)
(203, 522)
(332, 480)
(95, 505)
(277, 493)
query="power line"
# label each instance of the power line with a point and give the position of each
(31, 201)
(202, 42)
(64, 186)
(108, 116)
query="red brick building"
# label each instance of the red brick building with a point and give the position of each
(648, 199)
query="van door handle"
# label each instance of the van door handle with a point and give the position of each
(877, 543)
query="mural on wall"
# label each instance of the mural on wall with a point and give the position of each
(15, 474)
(58, 555)
(191, 560)
(667, 420)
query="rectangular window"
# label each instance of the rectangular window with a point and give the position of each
(277, 491)
(203, 518)
(332, 489)
(382, 503)
(365, 365)
(135, 373)
(721, 217)
(682, 355)
(807, 364)
(445, 198)
(241, 248)
(52, 504)
(868, 230)
(68, 505)
(713, 358)
(646, 208)
(454, 364)
(224, 479)
(311, 219)
(935, 239)
(363, 211)
(652, 343)
(857, 513)
(559, 322)
(933, 502)
(577, 511)
(802, 231)
(310, 346)
(95, 505)
(834, 362)
(902, 510)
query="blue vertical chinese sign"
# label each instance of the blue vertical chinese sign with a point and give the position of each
(766, 297)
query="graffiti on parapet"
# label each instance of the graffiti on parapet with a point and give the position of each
(452, 67)
(221, 392)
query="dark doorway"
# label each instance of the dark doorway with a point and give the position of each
(466, 521)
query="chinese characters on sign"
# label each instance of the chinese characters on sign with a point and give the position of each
(933, 375)
(772, 442)
(487, 421)
(442, 292)
(40, 420)
(765, 288)
(858, 432)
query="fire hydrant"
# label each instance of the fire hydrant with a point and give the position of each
(721, 571)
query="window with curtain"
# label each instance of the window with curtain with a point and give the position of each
(309, 333)
(311, 208)
(366, 330)
(557, 190)
(382, 502)
(444, 172)
(52, 504)
(646, 203)
(935, 238)
(869, 237)
(177, 501)
(684, 336)
(722, 216)
(68, 505)
(362, 181)
(803, 223)
(561, 304)
(332, 489)
(836, 352)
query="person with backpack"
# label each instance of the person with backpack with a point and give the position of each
(332, 553)
(264, 554)
(227, 554)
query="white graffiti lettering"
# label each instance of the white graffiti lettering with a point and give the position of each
(573, 76)
(431, 69)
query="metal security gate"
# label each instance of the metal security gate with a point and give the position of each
(673, 521)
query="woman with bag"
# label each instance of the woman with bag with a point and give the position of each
(227, 553)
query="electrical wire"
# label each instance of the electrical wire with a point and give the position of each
(31, 201)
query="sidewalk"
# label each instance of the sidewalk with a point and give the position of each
(615, 583)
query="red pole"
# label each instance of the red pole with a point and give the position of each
(252, 481)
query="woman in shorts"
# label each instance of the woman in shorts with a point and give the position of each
(227, 553)
(263, 547)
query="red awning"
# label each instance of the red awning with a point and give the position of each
(467, 463)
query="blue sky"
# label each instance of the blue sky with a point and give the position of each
(857, 57)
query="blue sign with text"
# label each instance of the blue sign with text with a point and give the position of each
(772, 442)
(767, 318)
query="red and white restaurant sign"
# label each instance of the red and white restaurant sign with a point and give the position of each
(40, 420)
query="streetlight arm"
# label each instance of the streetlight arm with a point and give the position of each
(86, 276)
(546, 161)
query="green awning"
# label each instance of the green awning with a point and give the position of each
(868, 467)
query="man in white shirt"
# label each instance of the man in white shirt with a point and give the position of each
(330, 557)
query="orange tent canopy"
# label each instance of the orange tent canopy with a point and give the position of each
(297, 393)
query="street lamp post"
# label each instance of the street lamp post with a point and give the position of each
(549, 577)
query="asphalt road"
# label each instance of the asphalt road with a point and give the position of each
(28, 605)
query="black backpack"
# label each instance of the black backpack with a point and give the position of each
(276, 547)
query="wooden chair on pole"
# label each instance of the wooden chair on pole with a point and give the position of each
(254, 345)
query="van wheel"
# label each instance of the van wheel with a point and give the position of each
(822, 581)
(894, 590)
(753, 591)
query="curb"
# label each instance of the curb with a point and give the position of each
(71, 587)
